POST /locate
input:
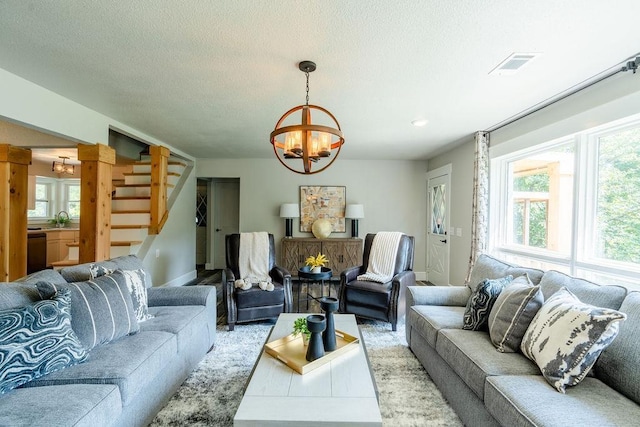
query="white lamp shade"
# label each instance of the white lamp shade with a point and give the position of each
(289, 210)
(354, 211)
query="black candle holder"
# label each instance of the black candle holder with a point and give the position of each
(329, 305)
(316, 323)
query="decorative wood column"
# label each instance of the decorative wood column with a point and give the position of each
(95, 201)
(159, 169)
(14, 175)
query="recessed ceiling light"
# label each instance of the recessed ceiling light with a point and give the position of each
(514, 63)
(419, 122)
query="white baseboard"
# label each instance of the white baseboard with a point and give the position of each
(180, 281)
(421, 275)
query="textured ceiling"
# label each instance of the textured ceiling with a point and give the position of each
(213, 77)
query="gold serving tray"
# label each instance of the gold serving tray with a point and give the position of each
(291, 351)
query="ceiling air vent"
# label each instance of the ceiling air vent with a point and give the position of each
(514, 63)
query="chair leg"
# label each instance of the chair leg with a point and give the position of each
(394, 327)
(231, 326)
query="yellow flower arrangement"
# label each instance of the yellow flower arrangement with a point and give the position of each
(316, 261)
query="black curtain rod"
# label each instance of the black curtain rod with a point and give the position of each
(630, 64)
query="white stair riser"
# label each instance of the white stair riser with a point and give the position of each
(131, 204)
(133, 191)
(130, 218)
(128, 234)
(146, 179)
(146, 168)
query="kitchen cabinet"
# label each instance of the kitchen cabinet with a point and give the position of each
(57, 240)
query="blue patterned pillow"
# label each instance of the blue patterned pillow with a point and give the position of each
(476, 314)
(36, 340)
(101, 308)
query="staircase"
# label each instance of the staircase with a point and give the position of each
(131, 209)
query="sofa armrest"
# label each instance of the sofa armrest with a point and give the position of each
(438, 295)
(182, 295)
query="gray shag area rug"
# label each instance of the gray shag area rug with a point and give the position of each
(212, 393)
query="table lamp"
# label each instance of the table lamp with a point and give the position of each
(355, 212)
(289, 211)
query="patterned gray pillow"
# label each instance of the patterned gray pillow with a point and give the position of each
(476, 314)
(37, 339)
(566, 337)
(512, 313)
(101, 309)
(135, 280)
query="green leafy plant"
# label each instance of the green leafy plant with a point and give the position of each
(300, 327)
(63, 221)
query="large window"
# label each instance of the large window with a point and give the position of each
(54, 195)
(572, 204)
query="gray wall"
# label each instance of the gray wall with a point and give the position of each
(609, 100)
(393, 194)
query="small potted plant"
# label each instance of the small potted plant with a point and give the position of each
(316, 262)
(300, 327)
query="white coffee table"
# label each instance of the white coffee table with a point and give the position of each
(342, 392)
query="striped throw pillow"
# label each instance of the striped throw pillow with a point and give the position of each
(101, 308)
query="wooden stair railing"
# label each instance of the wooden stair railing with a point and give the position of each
(159, 169)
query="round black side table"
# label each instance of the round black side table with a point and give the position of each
(305, 275)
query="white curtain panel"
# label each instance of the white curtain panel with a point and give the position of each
(480, 219)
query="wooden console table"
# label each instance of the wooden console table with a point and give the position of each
(341, 252)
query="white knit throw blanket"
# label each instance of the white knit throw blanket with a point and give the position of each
(382, 258)
(253, 257)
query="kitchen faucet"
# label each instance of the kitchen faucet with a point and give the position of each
(59, 217)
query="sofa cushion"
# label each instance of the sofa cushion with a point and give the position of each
(586, 291)
(14, 295)
(101, 309)
(511, 315)
(47, 275)
(518, 401)
(37, 339)
(476, 314)
(186, 322)
(566, 337)
(614, 366)
(79, 405)
(427, 320)
(473, 357)
(131, 363)
(487, 267)
(86, 271)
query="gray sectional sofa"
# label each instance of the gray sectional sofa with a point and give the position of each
(124, 382)
(488, 388)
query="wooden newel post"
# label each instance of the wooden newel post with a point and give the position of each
(14, 177)
(95, 201)
(159, 168)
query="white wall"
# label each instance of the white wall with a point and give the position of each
(609, 100)
(30, 105)
(393, 194)
(461, 196)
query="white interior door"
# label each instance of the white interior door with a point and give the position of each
(438, 184)
(226, 212)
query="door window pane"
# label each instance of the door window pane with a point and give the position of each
(618, 203)
(438, 207)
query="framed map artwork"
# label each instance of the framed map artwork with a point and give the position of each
(327, 202)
